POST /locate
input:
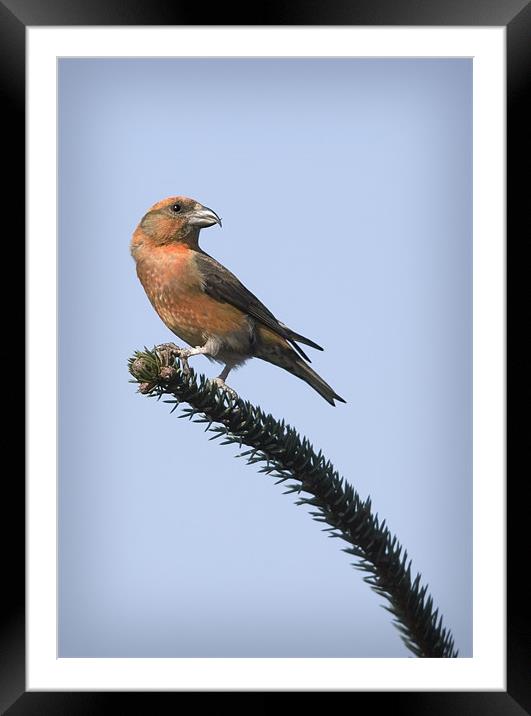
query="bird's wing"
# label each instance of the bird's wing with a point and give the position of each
(222, 285)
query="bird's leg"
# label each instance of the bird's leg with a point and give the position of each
(224, 373)
(220, 381)
(186, 353)
(168, 351)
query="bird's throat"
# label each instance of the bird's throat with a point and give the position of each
(143, 239)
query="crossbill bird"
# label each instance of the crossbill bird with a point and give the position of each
(204, 304)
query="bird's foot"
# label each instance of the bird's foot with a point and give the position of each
(168, 351)
(220, 383)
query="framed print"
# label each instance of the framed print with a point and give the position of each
(360, 167)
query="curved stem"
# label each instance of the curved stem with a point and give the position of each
(288, 456)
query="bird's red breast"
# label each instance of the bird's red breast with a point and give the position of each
(173, 283)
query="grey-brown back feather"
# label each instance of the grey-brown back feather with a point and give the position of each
(222, 285)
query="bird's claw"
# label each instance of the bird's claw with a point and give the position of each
(220, 383)
(168, 351)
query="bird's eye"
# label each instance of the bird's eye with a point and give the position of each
(175, 208)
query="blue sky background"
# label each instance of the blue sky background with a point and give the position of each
(345, 188)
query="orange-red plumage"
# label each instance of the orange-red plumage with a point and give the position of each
(205, 304)
(172, 282)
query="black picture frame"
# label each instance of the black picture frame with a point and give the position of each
(515, 15)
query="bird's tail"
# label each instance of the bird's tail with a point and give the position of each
(274, 349)
(292, 337)
(302, 370)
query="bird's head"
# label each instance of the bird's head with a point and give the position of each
(177, 219)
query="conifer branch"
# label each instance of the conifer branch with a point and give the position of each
(290, 458)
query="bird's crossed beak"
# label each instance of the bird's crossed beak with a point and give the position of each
(202, 216)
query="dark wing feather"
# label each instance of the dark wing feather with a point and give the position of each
(223, 285)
